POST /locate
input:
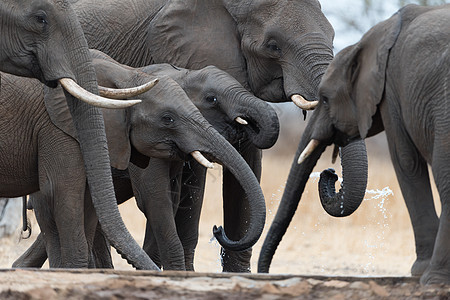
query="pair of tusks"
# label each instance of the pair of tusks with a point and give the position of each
(100, 101)
(303, 103)
(312, 145)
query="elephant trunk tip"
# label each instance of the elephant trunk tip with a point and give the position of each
(354, 183)
(225, 242)
(264, 136)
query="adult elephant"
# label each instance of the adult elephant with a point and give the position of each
(396, 78)
(43, 39)
(277, 49)
(167, 125)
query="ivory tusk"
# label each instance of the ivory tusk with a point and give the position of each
(302, 103)
(335, 154)
(202, 160)
(241, 121)
(126, 93)
(308, 150)
(77, 91)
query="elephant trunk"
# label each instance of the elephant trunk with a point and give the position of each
(295, 185)
(263, 126)
(258, 119)
(354, 171)
(219, 148)
(90, 127)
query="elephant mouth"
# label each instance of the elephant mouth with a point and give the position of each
(272, 91)
(341, 139)
(165, 150)
(36, 70)
(234, 132)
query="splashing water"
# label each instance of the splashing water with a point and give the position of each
(216, 264)
(375, 243)
(383, 193)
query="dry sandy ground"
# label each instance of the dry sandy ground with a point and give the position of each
(368, 255)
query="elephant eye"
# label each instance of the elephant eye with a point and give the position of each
(167, 120)
(41, 17)
(273, 47)
(211, 99)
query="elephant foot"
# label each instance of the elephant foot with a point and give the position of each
(236, 262)
(435, 276)
(419, 267)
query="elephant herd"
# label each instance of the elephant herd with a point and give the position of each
(167, 87)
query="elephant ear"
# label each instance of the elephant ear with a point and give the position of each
(117, 133)
(368, 69)
(114, 75)
(192, 34)
(58, 110)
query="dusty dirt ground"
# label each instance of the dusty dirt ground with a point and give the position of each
(364, 256)
(60, 284)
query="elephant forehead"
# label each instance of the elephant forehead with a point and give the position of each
(296, 17)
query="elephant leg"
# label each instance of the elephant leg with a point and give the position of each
(236, 210)
(151, 245)
(101, 250)
(33, 257)
(187, 217)
(62, 182)
(412, 174)
(49, 232)
(439, 268)
(152, 190)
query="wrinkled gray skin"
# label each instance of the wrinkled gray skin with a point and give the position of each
(274, 48)
(220, 99)
(43, 39)
(167, 125)
(396, 78)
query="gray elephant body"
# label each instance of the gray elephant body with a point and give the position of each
(395, 78)
(165, 125)
(172, 227)
(221, 100)
(44, 40)
(274, 48)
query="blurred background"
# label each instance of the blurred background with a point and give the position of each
(376, 240)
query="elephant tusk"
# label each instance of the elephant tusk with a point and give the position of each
(302, 103)
(128, 92)
(202, 160)
(78, 92)
(308, 150)
(335, 154)
(241, 121)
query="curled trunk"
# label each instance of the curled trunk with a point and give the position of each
(354, 170)
(262, 126)
(218, 147)
(298, 176)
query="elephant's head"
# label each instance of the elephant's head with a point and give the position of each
(168, 125)
(287, 46)
(350, 93)
(232, 110)
(43, 39)
(276, 48)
